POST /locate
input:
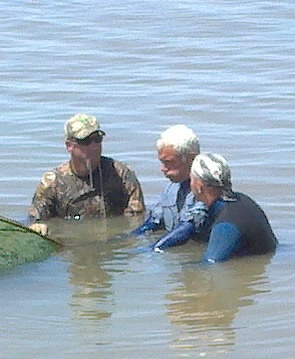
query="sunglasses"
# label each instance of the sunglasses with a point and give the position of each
(88, 140)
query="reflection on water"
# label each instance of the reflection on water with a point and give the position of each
(90, 245)
(204, 302)
(92, 290)
(86, 231)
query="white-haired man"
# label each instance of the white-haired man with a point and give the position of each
(177, 148)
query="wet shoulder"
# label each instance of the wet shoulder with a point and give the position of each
(49, 177)
(244, 199)
(122, 169)
(243, 207)
(172, 188)
(169, 195)
(63, 169)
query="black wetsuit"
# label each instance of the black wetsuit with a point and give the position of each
(238, 227)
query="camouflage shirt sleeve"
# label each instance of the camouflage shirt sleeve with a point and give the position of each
(43, 203)
(135, 203)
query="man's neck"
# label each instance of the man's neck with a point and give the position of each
(82, 168)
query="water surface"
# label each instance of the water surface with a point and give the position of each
(224, 68)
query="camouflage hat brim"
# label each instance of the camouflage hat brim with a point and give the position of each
(81, 126)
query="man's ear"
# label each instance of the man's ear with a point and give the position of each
(69, 145)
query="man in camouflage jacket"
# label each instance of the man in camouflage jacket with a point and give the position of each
(88, 185)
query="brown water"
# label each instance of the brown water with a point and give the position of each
(224, 68)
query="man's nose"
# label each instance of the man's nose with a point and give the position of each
(164, 168)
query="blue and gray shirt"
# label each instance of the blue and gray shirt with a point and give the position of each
(177, 203)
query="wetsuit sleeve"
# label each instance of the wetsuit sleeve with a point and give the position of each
(149, 225)
(179, 236)
(224, 241)
(153, 222)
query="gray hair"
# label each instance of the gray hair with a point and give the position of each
(214, 171)
(181, 138)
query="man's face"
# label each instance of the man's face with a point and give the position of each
(174, 166)
(86, 149)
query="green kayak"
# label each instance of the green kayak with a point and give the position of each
(19, 244)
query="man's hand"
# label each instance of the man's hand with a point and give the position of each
(40, 228)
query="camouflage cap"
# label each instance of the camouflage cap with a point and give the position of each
(214, 171)
(81, 126)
